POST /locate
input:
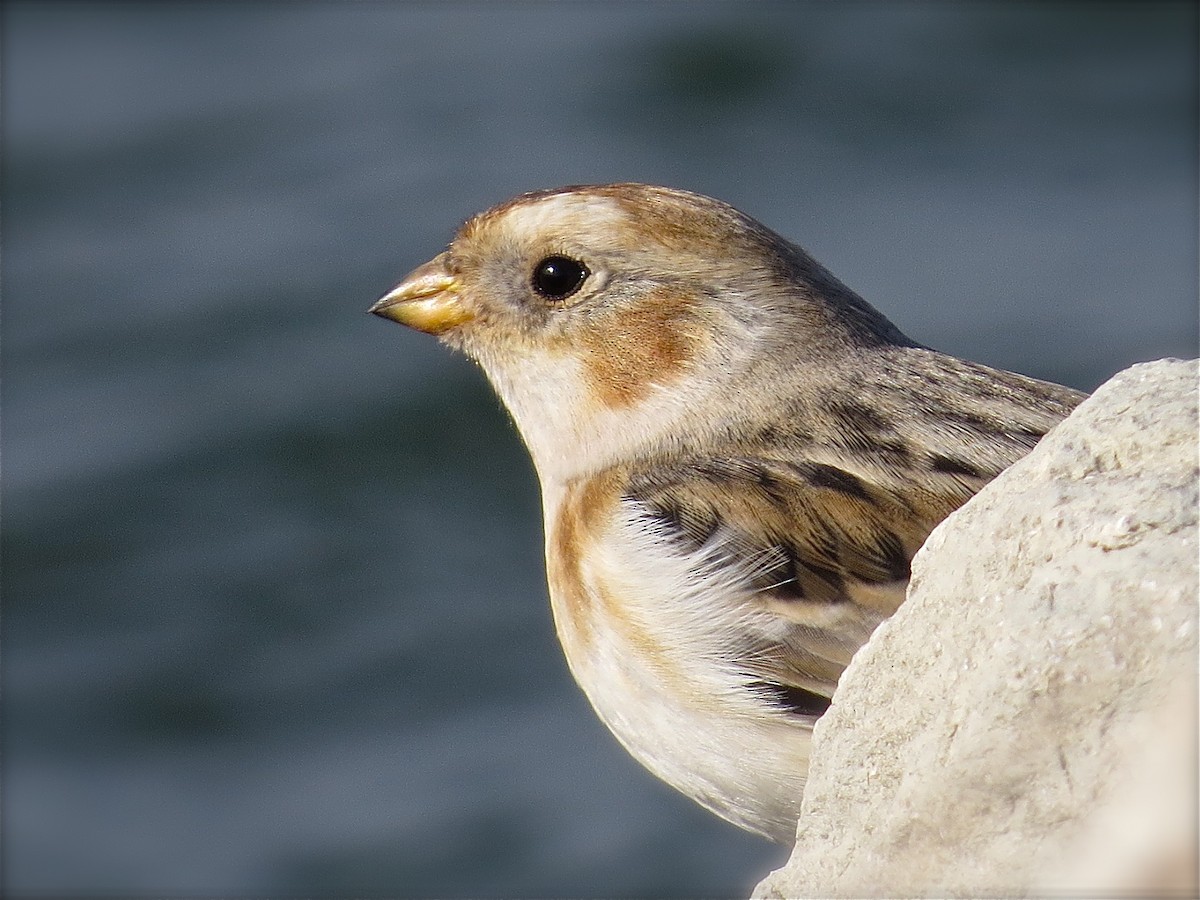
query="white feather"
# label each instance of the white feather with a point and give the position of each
(663, 675)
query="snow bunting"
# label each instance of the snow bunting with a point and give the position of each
(738, 458)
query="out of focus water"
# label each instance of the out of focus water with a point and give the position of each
(274, 617)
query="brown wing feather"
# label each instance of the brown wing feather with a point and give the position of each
(829, 553)
(828, 502)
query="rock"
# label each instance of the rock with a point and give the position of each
(1027, 722)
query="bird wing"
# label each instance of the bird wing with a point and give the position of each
(819, 515)
(823, 556)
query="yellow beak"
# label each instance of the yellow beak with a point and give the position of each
(427, 299)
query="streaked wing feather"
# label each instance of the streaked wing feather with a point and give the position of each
(828, 552)
(830, 501)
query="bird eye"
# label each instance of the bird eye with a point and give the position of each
(558, 277)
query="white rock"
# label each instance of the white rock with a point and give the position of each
(1027, 721)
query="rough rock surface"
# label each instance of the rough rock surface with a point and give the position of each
(1026, 723)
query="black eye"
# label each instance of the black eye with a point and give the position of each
(557, 277)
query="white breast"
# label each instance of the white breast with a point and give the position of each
(658, 665)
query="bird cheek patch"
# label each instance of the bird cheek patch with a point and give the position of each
(642, 348)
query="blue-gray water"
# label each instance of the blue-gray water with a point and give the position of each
(274, 613)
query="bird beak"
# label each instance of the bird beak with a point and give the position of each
(427, 299)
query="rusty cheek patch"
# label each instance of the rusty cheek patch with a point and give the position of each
(636, 349)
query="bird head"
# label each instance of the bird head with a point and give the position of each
(606, 315)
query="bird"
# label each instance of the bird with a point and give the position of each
(738, 457)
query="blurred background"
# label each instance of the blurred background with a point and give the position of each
(274, 616)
